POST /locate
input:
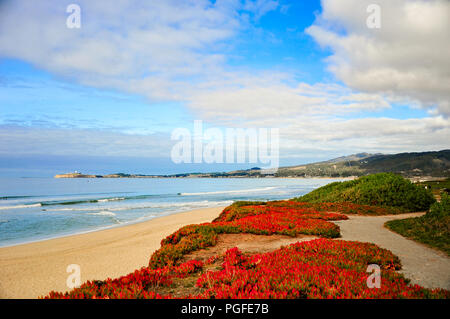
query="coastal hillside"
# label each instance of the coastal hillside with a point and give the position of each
(410, 165)
(436, 164)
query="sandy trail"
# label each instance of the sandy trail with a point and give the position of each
(247, 243)
(425, 266)
(32, 270)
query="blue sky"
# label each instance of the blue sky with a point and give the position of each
(110, 93)
(35, 97)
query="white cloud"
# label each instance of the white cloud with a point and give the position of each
(277, 102)
(161, 49)
(176, 50)
(261, 7)
(407, 56)
(364, 135)
(20, 140)
(299, 138)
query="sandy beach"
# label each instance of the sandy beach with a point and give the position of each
(32, 270)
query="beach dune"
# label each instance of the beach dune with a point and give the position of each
(33, 270)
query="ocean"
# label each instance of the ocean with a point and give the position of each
(33, 209)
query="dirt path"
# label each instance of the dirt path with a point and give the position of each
(424, 266)
(247, 243)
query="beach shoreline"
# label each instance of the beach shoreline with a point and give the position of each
(34, 269)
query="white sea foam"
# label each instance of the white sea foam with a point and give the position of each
(142, 218)
(111, 199)
(103, 213)
(168, 205)
(20, 206)
(240, 191)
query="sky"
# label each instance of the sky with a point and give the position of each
(107, 96)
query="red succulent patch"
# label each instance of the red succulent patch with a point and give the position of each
(254, 219)
(321, 268)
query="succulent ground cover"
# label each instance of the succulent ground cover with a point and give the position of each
(240, 209)
(254, 219)
(320, 268)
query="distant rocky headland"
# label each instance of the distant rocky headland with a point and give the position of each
(120, 175)
(184, 175)
(415, 166)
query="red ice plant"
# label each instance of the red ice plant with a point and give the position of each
(321, 268)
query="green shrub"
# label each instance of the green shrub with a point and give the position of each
(383, 189)
(432, 229)
(442, 209)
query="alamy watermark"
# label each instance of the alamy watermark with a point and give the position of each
(74, 279)
(73, 21)
(229, 145)
(373, 21)
(374, 280)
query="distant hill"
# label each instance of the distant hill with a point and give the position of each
(436, 164)
(351, 158)
(429, 164)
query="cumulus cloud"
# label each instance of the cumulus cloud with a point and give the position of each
(279, 102)
(406, 57)
(332, 136)
(161, 49)
(177, 51)
(299, 138)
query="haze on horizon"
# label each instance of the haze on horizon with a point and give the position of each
(106, 96)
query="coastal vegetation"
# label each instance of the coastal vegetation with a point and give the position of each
(437, 187)
(254, 219)
(320, 268)
(317, 268)
(383, 190)
(432, 229)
